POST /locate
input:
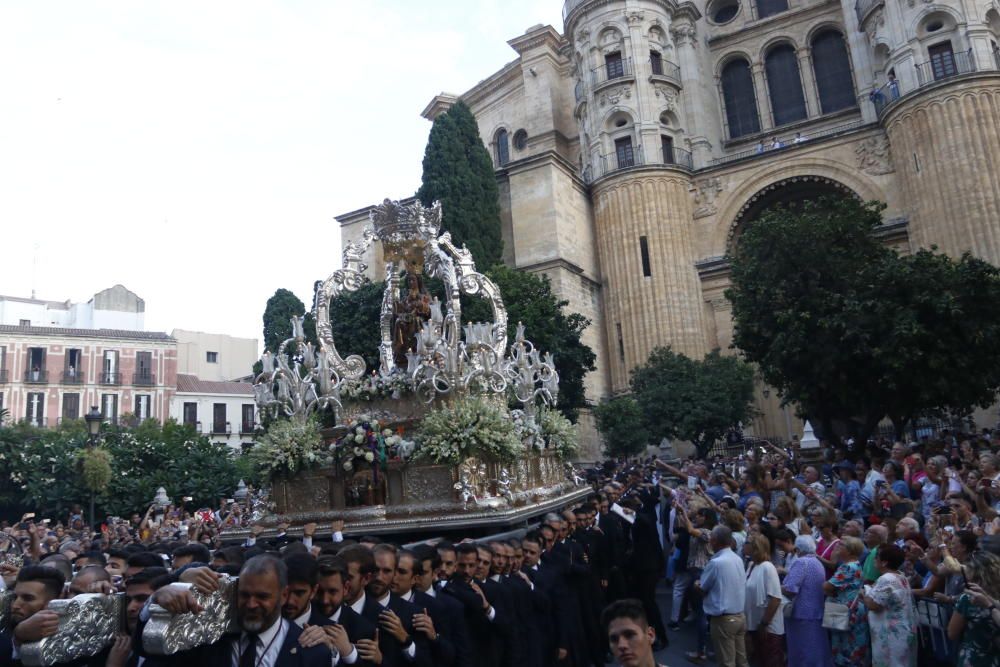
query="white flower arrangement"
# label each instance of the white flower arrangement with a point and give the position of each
(290, 445)
(375, 387)
(528, 430)
(559, 433)
(469, 427)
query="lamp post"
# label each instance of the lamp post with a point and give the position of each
(94, 419)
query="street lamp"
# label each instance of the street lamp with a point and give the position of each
(94, 419)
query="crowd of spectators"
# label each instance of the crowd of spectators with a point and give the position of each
(884, 555)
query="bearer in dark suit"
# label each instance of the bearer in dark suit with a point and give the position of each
(265, 639)
(479, 613)
(346, 629)
(444, 607)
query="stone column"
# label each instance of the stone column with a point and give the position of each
(696, 125)
(763, 101)
(664, 308)
(809, 88)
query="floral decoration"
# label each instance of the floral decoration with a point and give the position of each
(367, 444)
(375, 387)
(290, 445)
(559, 433)
(469, 426)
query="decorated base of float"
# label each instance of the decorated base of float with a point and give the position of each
(456, 428)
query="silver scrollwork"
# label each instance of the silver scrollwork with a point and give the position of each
(87, 624)
(167, 633)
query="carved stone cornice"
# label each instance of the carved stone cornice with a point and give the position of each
(546, 36)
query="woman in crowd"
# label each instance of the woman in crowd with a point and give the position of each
(972, 625)
(848, 491)
(892, 619)
(807, 641)
(699, 553)
(826, 547)
(850, 647)
(788, 514)
(932, 490)
(764, 618)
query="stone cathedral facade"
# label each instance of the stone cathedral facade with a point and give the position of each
(633, 145)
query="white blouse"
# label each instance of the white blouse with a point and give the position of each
(763, 584)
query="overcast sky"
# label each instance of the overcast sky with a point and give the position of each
(196, 152)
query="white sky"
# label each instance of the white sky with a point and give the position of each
(196, 152)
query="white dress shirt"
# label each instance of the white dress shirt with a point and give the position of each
(269, 644)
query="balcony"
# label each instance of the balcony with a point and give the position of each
(72, 376)
(3, 376)
(219, 428)
(112, 378)
(677, 157)
(36, 376)
(862, 8)
(143, 379)
(196, 425)
(662, 69)
(612, 71)
(945, 67)
(248, 428)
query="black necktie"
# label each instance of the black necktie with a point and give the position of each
(249, 656)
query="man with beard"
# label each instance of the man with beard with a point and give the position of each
(303, 572)
(373, 571)
(479, 613)
(426, 590)
(430, 619)
(265, 638)
(351, 635)
(34, 588)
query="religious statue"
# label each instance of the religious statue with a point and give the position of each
(411, 311)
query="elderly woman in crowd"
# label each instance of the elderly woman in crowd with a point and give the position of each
(807, 640)
(971, 624)
(850, 647)
(765, 621)
(892, 619)
(826, 547)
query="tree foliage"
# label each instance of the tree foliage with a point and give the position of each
(621, 422)
(354, 318)
(458, 172)
(694, 400)
(853, 331)
(40, 468)
(278, 313)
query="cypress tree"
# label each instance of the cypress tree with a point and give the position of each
(458, 172)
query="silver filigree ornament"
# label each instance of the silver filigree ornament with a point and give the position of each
(573, 475)
(87, 624)
(167, 633)
(503, 485)
(448, 359)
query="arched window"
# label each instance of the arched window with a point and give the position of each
(833, 72)
(767, 8)
(738, 95)
(784, 85)
(503, 148)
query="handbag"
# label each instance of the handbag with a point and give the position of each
(836, 616)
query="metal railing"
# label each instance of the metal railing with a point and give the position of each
(620, 160)
(111, 377)
(247, 428)
(218, 428)
(660, 66)
(612, 71)
(677, 156)
(36, 376)
(961, 62)
(865, 7)
(786, 143)
(3, 376)
(72, 376)
(196, 425)
(143, 379)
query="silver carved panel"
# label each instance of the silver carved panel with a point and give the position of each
(166, 633)
(87, 624)
(6, 600)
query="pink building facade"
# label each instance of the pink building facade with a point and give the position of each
(51, 374)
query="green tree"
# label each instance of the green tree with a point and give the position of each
(458, 172)
(694, 400)
(278, 313)
(621, 422)
(354, 318)
(851, 330)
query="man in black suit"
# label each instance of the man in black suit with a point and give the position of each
(502, 598)
(346, 629)
(479, 613)
(549, 613)
(430, 619)
(303, 573)
(265, 638)
(646, 566)
(391, 614)
(446, 607)
(507, 565)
